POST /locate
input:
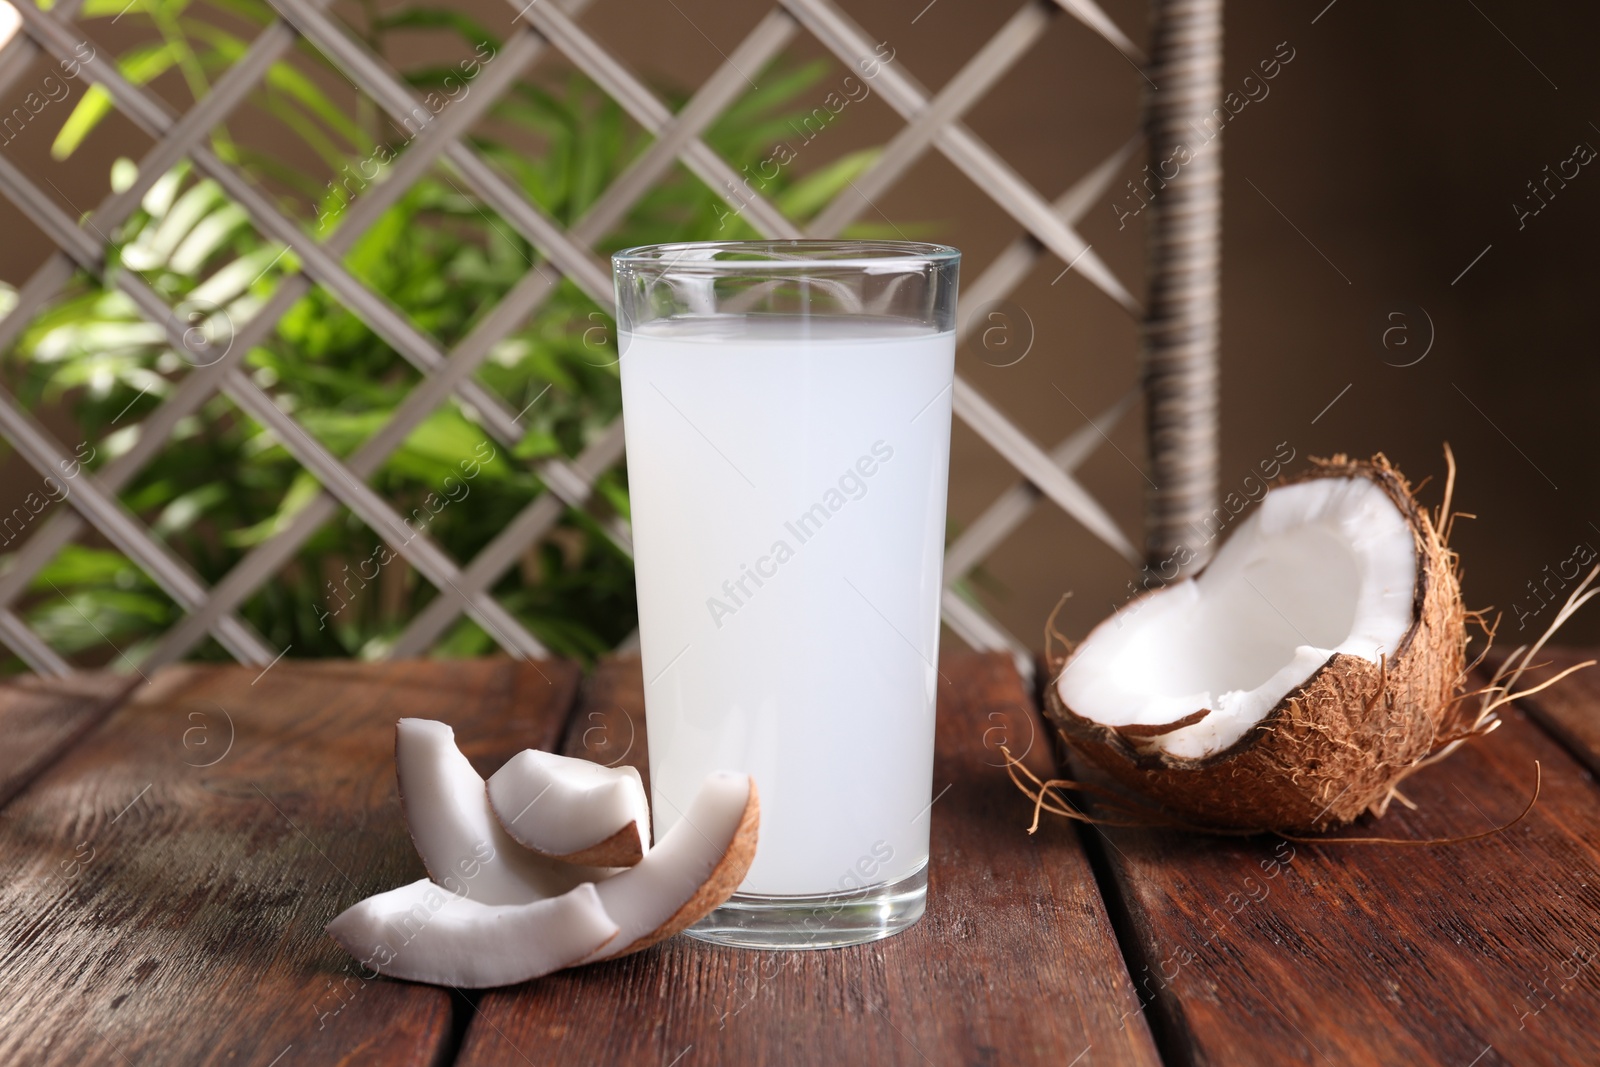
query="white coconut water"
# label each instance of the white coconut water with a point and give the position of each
(788, 480)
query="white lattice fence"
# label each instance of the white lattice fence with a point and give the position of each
(933, 123)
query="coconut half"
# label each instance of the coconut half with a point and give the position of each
(571, 809)
(462, 844)
(426, 933)
(1292, 682)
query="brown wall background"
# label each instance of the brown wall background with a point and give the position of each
(1387, 155)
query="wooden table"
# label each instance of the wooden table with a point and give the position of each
(172, 849)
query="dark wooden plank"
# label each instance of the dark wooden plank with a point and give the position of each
(41, 717)
(1262, 951)
(1015, 961)
(608, 724)
(1570, 709)
(164, 898)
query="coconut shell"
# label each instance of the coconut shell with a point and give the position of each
(720, 884)
(621, 849)
(1334, 747)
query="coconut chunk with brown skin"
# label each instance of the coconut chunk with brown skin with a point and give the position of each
(696, 867)
(1293, 681)
(572, 809)
(693, 868)
(425, 933)
(462, 844)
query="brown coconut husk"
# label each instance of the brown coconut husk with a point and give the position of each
(1052, 796)
(1336, 746)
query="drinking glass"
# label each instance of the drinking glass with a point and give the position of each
(787, 409)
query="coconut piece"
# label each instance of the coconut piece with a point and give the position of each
(571, 809)
(1298, 677)
(694, 868)
(462, 844)
(426, 933)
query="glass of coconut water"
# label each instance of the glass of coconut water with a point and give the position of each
(787, 409)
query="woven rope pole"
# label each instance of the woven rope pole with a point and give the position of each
(1178, 353)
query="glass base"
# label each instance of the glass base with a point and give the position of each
(829, 920)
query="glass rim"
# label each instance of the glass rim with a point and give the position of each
(785, 255)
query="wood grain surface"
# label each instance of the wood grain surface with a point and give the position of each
(1569, 709)
(1014, 962)
(169, 867)
(41, 717)
(169, 877)
(1264, 951)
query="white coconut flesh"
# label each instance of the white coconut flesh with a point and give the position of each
(562, 806)
(462, 844)
(642, 898)
(425, 933)
(499, 913)
(1323, 566)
